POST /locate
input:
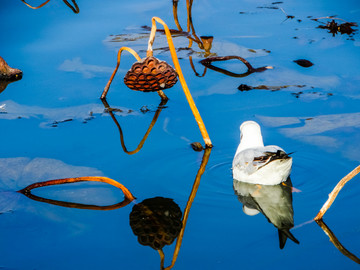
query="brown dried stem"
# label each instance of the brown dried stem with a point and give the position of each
(336, 242)
(207, 62)
(75, 9)
(127, 193)
(191, 198)
(43, 4)
(138, 148)
(175, 13)
(106, 89)
(186, 90)
(334, 193)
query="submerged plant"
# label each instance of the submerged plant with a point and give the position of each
(153, 75)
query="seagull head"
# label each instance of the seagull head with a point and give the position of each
(250, 135)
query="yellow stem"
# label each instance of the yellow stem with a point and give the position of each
(43, 4)
(186, 90)
(106, 89)
(334, 193)
(195, 187)
(175, 13)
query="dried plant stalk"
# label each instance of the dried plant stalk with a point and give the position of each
(191, 198)
(75, 9)
(106, 89)
(102, 179)
(336, 242)
(43, 4)
(138, 148)
(334, 193)
(186, 90)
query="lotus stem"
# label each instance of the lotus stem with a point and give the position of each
(186, 90)
(138, 148)
(43, 4)
(191, 198)
(334, 193)
(75, 9)
(336, 242)
(176, 19)
(106, 89)
(102, 179)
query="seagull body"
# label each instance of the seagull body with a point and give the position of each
(258, 164)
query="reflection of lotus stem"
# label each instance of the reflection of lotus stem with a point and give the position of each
(334, 193)
(336, 242)
(195, 187)
(74, 9)
(186, 90)
(106, 89)
(43, 4)
(157, 113)
(107, 180)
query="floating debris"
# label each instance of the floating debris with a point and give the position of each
(335, 28)
(196, 146)
(303, 63)
(245, 87)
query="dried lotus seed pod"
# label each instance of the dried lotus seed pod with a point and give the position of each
(156, 222)
(150, 74)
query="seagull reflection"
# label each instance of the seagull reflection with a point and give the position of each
(273, 201)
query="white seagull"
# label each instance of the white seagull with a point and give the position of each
(258, 164)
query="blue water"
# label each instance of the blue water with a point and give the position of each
(67, 59)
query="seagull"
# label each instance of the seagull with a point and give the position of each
(258, 164)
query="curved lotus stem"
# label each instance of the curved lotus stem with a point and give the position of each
(176, 19)
(102, 179)
(186, 90)
(43, 4)
(193, 68)
(207, 62)
(106, 89)
(334, 193)
(138, 148)
(125, 202)
(75, 9)
(336, 242)
(191, 198)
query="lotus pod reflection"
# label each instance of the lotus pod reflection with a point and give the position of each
(150, 75)
(156, 222)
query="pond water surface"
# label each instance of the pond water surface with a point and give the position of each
(53, 125)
